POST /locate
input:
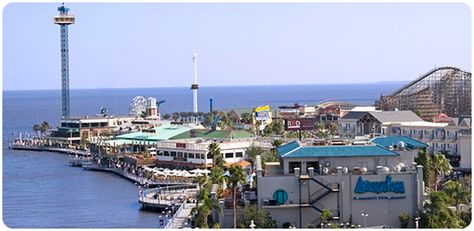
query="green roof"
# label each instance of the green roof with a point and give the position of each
(216, 134)
(294, 150)
(163, 132)
(394, 140)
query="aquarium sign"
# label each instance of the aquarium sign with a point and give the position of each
(364, 186)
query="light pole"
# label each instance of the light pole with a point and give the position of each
(365, 215)
(252, 225)
(416, 222)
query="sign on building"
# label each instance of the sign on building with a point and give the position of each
(262, 112)
(299, 124)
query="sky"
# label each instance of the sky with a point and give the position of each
(134, 45)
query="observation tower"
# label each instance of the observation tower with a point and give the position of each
(64, 20)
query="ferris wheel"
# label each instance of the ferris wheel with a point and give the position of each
(137, 106)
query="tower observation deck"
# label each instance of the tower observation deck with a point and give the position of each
(64, 20)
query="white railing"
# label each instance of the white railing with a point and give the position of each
(169, 225)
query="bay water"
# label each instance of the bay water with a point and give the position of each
(40, 189)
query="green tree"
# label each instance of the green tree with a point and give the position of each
(404, 219)
(37, 129)
(175, 116)
(437, 214)
(201, 182)
(325, 216)
(207, 120)
(267, 131)
(277, 143)
(424, 159)
(237, 176)
(246, 118)
(252, 152)
(203, 212)
(213, 151)
(45, 127)
(261, 218)
(277, 127)
(217, 173)
(439, 165)
(166, 116)
(457, 192)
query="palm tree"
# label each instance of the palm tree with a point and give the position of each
(37, 129)
(166, 116)
(201, 182)
(246, 118)
(45, 127)
(277, 143)
(252, 152)
(203, 211)
(458, 192)
(424, 159)
(213, 151)
(439, 165)
(325, 216)
(237, 176)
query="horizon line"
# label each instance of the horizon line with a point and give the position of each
(257, 85)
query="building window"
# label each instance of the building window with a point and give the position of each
(209, 156)
(229, 155)
(314, 164)
(160, 153)
(191, 155)
(293, 165)
(180, 154)
(166, 153)
(239, 154)
(173, 154)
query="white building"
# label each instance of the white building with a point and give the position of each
(440, 137)
(194, 152)
(346, 180)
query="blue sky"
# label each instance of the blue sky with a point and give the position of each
(120, 45)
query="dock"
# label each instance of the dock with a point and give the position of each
(48, 149)
(137, 179)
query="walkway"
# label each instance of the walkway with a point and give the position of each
(181, 219)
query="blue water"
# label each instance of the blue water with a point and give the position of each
(40, 190)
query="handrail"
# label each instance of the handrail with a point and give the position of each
(169, 225)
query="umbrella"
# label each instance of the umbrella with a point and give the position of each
(200, 171)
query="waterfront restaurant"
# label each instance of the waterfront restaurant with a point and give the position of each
(367, 185)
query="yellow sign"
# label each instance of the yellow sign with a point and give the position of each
(262, 108)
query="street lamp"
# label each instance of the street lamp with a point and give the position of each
(252, 225)
(365, 215)
(416, 222)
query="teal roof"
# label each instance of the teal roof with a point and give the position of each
(294, 150)
(214, 134)
(284, 149)
(394, 140)
(163, 132)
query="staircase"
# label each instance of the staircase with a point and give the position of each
(326, 189)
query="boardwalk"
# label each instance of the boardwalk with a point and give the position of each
(48, 149)
(180, 220)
